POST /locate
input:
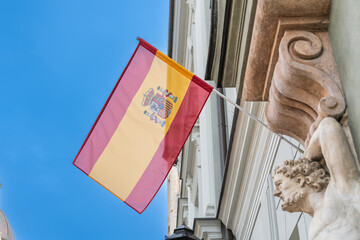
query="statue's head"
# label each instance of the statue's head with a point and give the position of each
(296, 179)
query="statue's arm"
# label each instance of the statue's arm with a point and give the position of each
(329, 142)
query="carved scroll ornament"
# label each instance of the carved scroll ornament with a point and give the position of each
(305, 87)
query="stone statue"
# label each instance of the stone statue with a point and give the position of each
(331, 196)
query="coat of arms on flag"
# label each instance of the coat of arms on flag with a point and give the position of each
(159, 105)
(153, 106)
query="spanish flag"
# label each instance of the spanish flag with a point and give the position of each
(142, 127)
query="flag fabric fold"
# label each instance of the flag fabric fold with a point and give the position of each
(143, 126)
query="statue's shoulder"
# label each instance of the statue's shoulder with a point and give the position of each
(333, 221)
(347, 195)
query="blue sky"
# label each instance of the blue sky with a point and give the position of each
(59, 60)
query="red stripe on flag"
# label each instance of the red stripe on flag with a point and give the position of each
(169, 149)
(202, 83)
(146, 45)
(114, 109)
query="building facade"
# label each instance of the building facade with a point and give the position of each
(221, 186)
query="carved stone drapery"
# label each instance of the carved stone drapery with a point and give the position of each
(305, 87)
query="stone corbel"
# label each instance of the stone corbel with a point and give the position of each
(291, 65)
(305, 86)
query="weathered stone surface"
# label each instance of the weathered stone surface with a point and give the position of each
(269, 14)
(305, 86)
(332, 197)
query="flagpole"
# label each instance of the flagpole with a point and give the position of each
(255, 118)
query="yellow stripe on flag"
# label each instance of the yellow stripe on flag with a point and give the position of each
(174, 65)
(137, 138)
